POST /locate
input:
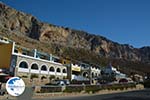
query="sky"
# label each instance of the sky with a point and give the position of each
(122, 21)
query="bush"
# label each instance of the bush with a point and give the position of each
(70, 89)
(92, 88)
(146, 84)
(118, 86)
(49, 89)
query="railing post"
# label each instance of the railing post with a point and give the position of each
(35, 52)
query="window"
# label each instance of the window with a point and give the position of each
(58, 70)
(44, 68)
(51, 69)
(16, 51)
(92, 75)
(96, 74)
(85, 74)
(23, 65)
(64, 71)
(34, 66)
(24, 53)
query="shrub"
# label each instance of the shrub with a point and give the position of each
(92, 88)
(118, 86)
(147, 83)
(70, 89)
(49, 89)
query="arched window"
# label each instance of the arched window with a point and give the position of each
(34, 66)
(58, 70)
(51, 69)
(44, 68)
(64, 71)
(85, 74)
(95, 74)
(23, 65)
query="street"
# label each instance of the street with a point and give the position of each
(134, 95)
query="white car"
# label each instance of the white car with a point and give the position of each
(62, 82)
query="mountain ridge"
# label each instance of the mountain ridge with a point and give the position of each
(28, 31)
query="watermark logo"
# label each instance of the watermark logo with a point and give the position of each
(15, 86)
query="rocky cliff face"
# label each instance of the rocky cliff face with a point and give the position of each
(17, 23)
(145, 54)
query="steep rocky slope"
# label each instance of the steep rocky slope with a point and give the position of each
(26, 30)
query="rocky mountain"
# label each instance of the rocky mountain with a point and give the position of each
(28, 31)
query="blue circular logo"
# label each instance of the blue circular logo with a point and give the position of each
(15, 86)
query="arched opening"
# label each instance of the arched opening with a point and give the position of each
(85, 74)
(23, 65)
(34, 66)
(96, 74)
(64, 71)
(52, 69)
(58, 70)
(43, 68)
(43, 77)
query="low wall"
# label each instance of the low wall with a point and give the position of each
(84, 88)
(34, 95)
(104, 91)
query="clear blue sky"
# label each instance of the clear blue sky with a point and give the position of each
(123, 21)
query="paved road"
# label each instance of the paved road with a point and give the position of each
(134, 95)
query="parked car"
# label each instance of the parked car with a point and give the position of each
(59, 82)
(62, 82)
(123, 80)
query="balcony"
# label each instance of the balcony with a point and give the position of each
(23, 70)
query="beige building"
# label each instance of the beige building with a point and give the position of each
(30, 64)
